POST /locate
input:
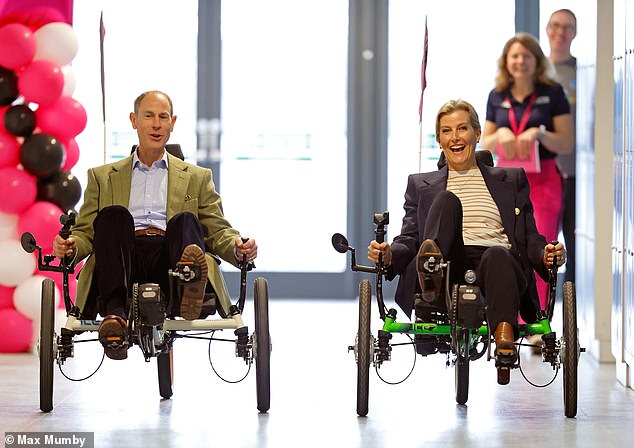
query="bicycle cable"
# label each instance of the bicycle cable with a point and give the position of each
(214, 369)
(376, 367)
(522, 370)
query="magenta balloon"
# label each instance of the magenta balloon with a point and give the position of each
(64, 119)
(42, 220)
(18, 190)
(41, 82)
(6, 296)
(16, 331)
(9, 150)
(72, 154)
(18, 46)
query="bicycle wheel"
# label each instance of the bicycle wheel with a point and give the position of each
(363, 347)
(262, 345)
(165, 369)
(462, 367)
(47, 344)
(570, 349)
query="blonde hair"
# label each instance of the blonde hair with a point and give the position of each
(454, 105)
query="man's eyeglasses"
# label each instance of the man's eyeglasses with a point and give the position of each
(568, 28)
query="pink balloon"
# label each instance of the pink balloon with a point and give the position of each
(9, 150)
(42, 220)
(18, 190)
(18, 46)
(64, 119)
(35, 16)
(72, 154)
(41, 82)
(16, 331)
(6, 297)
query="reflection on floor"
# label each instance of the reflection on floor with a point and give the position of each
(313, 395)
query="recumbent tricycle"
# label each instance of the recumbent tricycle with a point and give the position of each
(459, 330)
(149, 325)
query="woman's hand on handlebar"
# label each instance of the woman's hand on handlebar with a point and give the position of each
(62, 247)
(374, 249)
(550, 251)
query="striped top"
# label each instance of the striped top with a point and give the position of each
(481, 221)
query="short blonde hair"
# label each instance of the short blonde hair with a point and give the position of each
(454, 105)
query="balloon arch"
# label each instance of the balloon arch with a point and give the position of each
(39, 120)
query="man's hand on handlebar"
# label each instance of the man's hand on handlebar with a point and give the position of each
(374, 249)
(550, 251)
(62, 247)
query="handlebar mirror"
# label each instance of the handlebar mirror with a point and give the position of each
(340, 243)
(28, 242)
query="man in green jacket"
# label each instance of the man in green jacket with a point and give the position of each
(139, 218)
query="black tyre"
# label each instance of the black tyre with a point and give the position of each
(570, 350)
(363, 347)
(165, 368)
(262, 345)
(47, 345)
(462, 367)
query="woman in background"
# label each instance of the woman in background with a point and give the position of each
(528, 118)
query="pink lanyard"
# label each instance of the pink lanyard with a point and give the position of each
(525, 116)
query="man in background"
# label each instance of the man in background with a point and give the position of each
(561, 30)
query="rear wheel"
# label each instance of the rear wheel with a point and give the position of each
(47, 345)
(570, 349)
(165, 367)
(462, 367)
(363, 347)
(262, 345)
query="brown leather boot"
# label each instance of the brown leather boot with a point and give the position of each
(505, 341)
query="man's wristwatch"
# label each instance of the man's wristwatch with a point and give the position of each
(542, 131)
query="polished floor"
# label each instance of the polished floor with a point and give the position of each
(313, 395)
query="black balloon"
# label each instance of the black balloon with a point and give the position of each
(19, 120)
(62, 189)
(8, 87)
(42, 155)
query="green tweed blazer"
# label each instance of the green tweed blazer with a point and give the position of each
(189, 189)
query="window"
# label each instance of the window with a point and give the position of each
(283, 169)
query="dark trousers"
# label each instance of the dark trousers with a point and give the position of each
(122, 259)
(568, 225)
(498, 271)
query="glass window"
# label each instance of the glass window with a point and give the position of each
(283, 172)
(149, 44)
(464, 43)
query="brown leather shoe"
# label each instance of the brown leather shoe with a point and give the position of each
(194, 291)
(428, 266)
(505, 341)
(113, 335)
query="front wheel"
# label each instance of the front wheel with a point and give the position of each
(262, 345)
(570, 349)
(462, 366)
(47, 345)
(165, 368)
(363, 347)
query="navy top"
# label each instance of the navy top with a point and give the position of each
(551, 101)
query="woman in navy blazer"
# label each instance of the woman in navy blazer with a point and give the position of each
(433, 223)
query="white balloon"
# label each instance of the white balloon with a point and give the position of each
(27, 297)
(56, 42)
(17, 264)
(69, 80)
(8, 226)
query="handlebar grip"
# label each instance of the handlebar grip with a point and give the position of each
(380, 234)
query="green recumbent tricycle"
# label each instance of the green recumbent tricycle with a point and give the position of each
(459, 330)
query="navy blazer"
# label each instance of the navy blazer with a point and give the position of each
(510, 190)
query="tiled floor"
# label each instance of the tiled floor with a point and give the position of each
(313, 393)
